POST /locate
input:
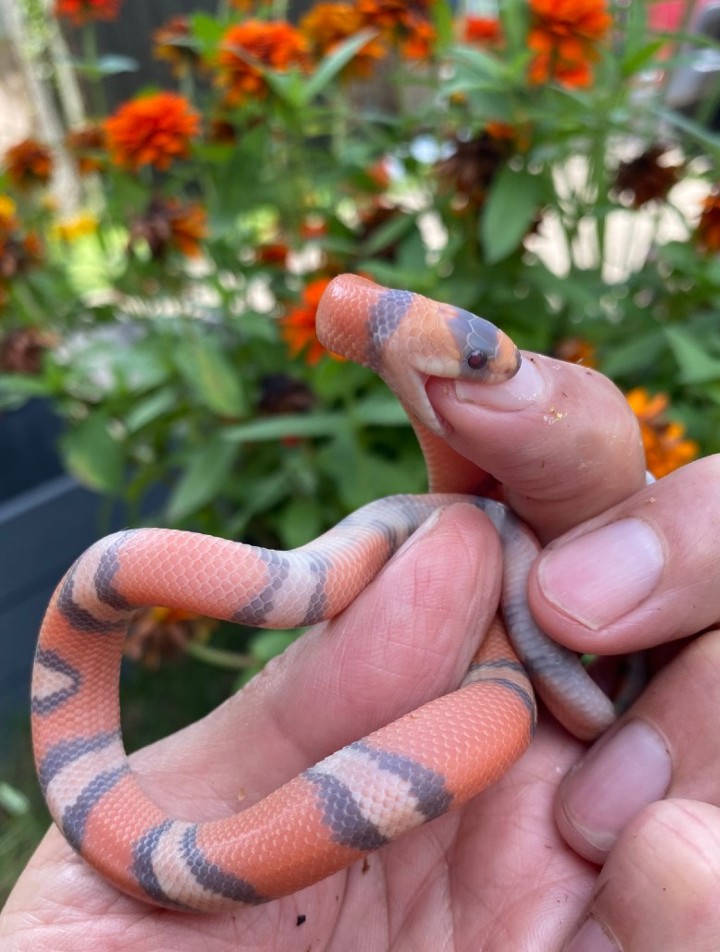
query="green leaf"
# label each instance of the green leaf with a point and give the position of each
(210, 374)
(207, 31)
(93, 456)
(267, 644)
(17, 389)
(639, 59)
(509, 210)
(12, 800)
(696, 365)
(388, 233)
(151, 408)
(301, 520)
(204, 478)
(335, 62)
(284, 425)
(480, 64)
(637, 353)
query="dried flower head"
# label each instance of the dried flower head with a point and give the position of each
(171, 225)
(22, 350)
(88, 148)
(173, 42)
(468, 173)
(707, 233)
(648, 177)
(18, 252)
(28, 163)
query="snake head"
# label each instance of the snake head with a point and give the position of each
(441, 340)
(407, 338)
(484, 352)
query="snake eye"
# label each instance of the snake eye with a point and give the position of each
(477, 359)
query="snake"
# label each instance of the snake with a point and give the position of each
(381, 786)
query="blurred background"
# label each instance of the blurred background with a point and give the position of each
(179, 181)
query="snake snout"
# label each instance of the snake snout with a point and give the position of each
(486, 353)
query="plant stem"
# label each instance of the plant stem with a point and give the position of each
(92, 65)
(219, 658)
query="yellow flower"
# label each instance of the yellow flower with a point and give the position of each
(73, 228)
(7, 210)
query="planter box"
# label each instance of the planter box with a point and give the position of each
(42, 531)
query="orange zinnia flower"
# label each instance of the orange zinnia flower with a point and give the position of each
(564, 35)
(168, 224)
(277, 46)
(408, 24)
(707, 233)
(80, 12)
(152, 130)
(666, 448)
(298, 326)
(576, 350)
(327, 25)
(28, 163)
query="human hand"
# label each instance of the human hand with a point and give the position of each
(643, 801)
(494, 875)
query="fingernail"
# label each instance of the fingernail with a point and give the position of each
(599, 577)
(526, 387)
(615, 781)
(591, 937)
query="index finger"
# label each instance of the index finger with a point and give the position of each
(560, 438)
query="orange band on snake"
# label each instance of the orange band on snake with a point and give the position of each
(377, 788)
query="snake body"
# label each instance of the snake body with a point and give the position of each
(361, 797)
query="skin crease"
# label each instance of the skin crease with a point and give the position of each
(497, 875)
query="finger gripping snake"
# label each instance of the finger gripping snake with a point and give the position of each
(361, 797)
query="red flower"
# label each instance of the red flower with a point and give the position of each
(481, 30)
(152, 130)
(80, 12)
